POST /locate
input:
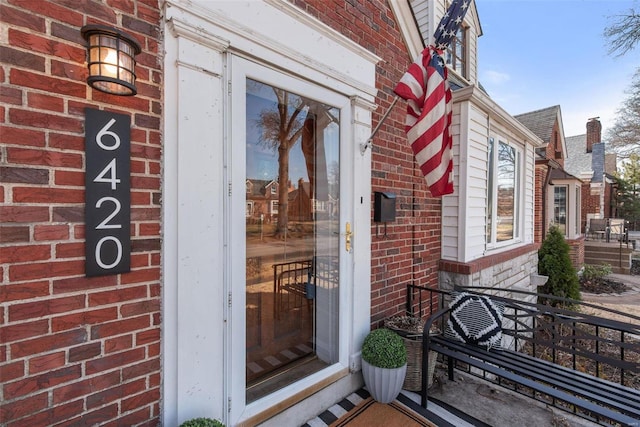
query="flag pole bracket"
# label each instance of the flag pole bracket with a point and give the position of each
(369, 143)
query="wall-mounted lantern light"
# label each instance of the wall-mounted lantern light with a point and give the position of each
(111, 59)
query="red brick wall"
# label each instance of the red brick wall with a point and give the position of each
(590, 203)
(409, 252)
(594, 133)
(553, 149)
(576, 252)
(74, 349)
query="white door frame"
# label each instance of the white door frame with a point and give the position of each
(197, 244)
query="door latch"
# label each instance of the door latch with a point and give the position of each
(347, 235)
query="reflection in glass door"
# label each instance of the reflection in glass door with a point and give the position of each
(292, 237)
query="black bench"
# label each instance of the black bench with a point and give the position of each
(544, 350)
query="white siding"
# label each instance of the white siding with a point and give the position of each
(476, 197)
(529, 194)
(451, 203)
(421, 12)
(464, 212)
(472, 53)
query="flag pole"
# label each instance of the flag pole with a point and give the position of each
(363, 147)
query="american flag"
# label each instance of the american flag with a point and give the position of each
(427, 91)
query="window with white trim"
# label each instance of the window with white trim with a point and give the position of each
(578, 212)
(456, 54)
(564, 214)
(504, 193)
(560, 207)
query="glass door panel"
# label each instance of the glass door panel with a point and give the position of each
(292, 236)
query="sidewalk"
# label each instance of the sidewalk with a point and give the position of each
(627, 302)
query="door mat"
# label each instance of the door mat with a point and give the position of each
(370, 413)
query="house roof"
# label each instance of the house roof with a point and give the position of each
(578, 161)
(258, 186)
(561, 174)
(541, 121)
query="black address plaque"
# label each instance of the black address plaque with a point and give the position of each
(107, 193)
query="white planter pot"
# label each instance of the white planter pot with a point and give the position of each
(383, 384)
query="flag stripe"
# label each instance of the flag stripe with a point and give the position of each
(425, 88)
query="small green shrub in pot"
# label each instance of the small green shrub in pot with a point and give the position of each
(385, 349)
(202, 422)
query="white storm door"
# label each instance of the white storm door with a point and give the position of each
(287, 277)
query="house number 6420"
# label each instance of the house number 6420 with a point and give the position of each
(107, 193)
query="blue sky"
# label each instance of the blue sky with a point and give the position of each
(535, 54)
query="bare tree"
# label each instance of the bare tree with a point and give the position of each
(624, 135)
(281, 128)
(624, 33)
(623, 36)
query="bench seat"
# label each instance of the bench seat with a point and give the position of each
(587, 392)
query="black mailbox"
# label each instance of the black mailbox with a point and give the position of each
(384, 208)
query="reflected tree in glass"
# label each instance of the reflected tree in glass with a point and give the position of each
(281, 128)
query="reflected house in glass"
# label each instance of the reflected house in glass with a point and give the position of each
(262, 199)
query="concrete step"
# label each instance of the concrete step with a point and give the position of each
(614, 254)
(610, 248)
(617, 256)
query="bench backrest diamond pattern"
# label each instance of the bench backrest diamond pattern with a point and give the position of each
(475, 319)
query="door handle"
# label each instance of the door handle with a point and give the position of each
(347, 237)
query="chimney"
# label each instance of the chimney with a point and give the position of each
(594, 133)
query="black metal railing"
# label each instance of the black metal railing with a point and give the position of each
(565, 334)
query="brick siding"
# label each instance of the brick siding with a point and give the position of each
(87, 350)
(576, 252)
(82, 351)
(539, 220)
(590, 203)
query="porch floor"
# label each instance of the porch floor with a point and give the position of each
(471, 401)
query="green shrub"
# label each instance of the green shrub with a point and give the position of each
(384, 348)
(202, 422)
(554, 261)
(595, 273)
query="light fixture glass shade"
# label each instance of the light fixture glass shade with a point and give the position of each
(111, 59)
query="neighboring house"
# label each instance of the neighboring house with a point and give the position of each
(588, 161)
(558, 193)
(262, 200)
(213, 314)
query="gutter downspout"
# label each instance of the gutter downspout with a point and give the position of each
(547, 180)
